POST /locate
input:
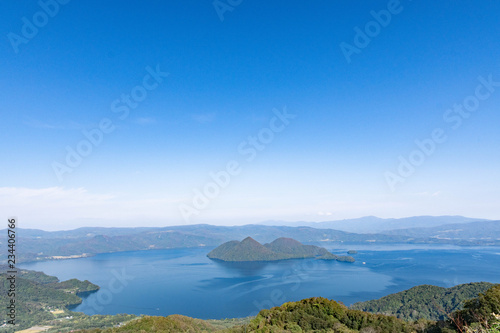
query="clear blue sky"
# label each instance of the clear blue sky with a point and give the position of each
(354, 119)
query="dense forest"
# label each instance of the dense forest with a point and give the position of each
(40, 297)
(425, 301)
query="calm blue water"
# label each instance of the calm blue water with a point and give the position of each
(185, 281)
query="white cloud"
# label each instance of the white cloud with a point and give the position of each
(35, 123)
(324, 213)
(57, 207)
(16, 196)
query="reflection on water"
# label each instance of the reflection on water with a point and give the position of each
(185, 281)
(244, 268)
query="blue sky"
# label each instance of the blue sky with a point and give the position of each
(337, 157)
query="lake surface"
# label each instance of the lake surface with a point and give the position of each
(185, 281)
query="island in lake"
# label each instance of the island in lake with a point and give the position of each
(280, 249)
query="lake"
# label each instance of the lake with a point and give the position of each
(185, 281)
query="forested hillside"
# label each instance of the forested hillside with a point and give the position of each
(429, 302)
(39, 297)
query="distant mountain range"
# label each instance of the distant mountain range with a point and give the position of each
(42, 245)
(280, 249)
(487, 230)
(373, 224)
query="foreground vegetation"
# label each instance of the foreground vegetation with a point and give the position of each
(479, 313)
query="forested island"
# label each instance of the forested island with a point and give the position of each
(280, 249)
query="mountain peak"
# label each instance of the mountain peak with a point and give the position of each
(249, 240)
(284, 241)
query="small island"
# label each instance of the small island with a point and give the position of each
(352, 252)
(280, 249)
